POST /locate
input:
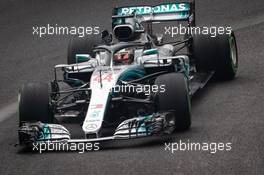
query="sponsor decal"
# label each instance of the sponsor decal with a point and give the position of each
(94, 114)
(91, 126)
(165, 8)
(97, 106)
(46, 133)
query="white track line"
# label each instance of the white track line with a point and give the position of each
(8, 111)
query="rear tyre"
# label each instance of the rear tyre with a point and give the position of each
(78, 45)
(175, 97)
(33, 101)
(217, 54)
(227, 64)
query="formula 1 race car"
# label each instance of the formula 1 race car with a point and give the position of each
(130, 82)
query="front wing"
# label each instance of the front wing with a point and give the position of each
(155, 124)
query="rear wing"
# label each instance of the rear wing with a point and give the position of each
(178, 11)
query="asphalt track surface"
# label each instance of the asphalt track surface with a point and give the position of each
(223, 112)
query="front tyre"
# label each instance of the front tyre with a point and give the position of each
(175, 97)
(34, 103)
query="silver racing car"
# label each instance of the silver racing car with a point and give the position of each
(128, 83)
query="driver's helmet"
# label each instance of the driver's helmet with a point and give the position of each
(124, 56)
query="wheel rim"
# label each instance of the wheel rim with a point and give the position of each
(233, 52)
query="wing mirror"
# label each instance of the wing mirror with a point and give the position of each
(82, 58)
(150, 52)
